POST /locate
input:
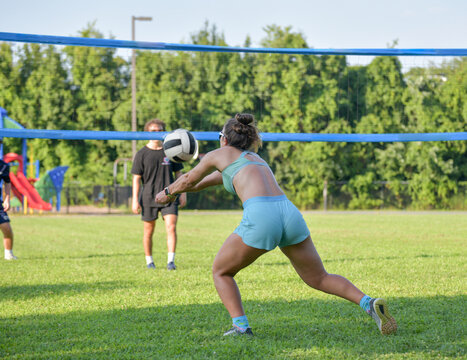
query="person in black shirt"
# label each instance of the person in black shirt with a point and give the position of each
(155, 171)
(4, 207)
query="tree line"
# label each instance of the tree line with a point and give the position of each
(84, 88)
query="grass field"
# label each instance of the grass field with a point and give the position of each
(80, 290)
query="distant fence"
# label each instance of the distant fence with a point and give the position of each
(386, 195)
(383, 195)
(103, 199)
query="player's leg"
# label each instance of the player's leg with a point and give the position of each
(308, 264)
(171, 230)
(149, 216)
(170, 215)
(148, 231)
(233, 256)
(7, 240)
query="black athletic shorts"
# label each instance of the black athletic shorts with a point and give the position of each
(151, 213)
(3, 216)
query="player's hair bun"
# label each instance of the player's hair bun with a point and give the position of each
(242, 133)
(245, 119)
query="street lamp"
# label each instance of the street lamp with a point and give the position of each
(133, 80)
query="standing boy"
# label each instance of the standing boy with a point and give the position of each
(155, 171)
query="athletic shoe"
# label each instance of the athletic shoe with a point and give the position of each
(151, 266)
(10, 257)
(380, 313)
(171, 266)
(236, 331)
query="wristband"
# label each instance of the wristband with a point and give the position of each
(168, 194)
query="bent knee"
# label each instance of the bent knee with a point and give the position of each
(316, 280)
(220, 271)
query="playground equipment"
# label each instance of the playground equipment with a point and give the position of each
(51, 184)
(48, 186)
(22, 188)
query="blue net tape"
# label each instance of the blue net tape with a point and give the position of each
(113, 43)
(119, 135)
(211, 135)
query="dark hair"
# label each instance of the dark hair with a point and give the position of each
(156, 122)
(242, 133)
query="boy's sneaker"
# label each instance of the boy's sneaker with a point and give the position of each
(237, 331)
(171, 266)
(151, 266)
(380, 313)
(10, 257)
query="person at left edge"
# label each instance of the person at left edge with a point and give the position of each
(4, 207)
(154, 171)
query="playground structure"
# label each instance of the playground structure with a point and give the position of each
(47, 187)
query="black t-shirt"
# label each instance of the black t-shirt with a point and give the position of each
(4, 175)
(156, 171)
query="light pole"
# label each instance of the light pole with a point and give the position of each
(133, 80)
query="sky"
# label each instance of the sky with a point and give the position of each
(324, 24)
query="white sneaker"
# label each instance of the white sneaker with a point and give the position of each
(380, 313)
(10, 257)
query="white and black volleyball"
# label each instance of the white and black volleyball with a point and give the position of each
(180, 145)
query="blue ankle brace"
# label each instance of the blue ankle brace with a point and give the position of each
(365, 303)
(241, 322)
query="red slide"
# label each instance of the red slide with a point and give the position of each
(22, 187)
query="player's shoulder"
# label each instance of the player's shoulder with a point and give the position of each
(222, 151)
(144, 152)
(226, 152)
(219, 158)
(139, 153)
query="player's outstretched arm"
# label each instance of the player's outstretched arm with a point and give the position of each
(182, 198)
(189, 181)
(215, 178)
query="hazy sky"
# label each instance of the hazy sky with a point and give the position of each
(325, 23)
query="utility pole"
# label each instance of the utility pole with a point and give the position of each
(133, 80)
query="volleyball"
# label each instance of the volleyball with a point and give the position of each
(180, 145)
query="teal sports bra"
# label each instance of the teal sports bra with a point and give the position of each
(230, 171)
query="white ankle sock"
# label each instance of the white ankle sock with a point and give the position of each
(9, 253)
(149, 260)
(170, 257)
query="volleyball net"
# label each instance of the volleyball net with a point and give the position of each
(252, 98)
(370, 127)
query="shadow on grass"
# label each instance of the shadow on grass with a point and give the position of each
(25, 292)
(86, 256)
(334, 329)
(364, 259)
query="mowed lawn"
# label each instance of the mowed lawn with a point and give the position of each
(80, 290)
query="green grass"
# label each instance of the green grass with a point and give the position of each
(81, 290)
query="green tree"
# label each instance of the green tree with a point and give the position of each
(44, 101)
(9, 89)
(9, 77)
(78, 88)
(98, 79)
(437, 103)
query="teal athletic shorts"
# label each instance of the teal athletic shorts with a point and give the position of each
(270, 221)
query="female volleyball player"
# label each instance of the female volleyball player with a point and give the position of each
(269, 220)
